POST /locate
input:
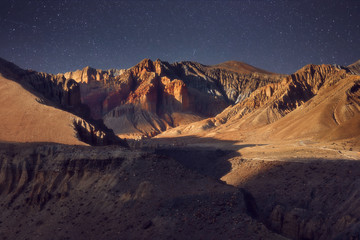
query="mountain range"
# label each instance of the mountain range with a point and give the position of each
(180, 150)
(155, 96)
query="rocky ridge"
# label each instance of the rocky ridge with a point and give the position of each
(355, 67)
(152, 97)
(62, 96)
(324, 95)
(277, 100)
(62, 91)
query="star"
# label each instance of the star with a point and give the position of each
(272, 35)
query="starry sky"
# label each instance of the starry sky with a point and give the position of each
(277, 35)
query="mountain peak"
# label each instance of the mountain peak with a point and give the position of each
(355, 67)
(240, 67)
(357, 63)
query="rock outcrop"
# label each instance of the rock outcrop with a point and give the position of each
(231, 83)
(96, 135)
(154, 96)
(95, 86)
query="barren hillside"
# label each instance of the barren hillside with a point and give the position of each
(25, 118)
(38, 107)
(317, 102)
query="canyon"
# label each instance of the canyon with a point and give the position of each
(180, 151)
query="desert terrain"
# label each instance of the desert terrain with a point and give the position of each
(227, 151)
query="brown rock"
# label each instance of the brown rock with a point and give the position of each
(176, 93)
(355, 67)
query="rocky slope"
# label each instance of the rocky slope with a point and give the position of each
(240, 67)
(67, 192)
(24, 119)
(302, 197)
(277, 100)
(318, 101)
(154, 96)
(297, 144)
(62, 91)
(355, 67)
(288, 146)
(39, 107)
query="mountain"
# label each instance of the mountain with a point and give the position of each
(235, 147)
(316, 102)
(355, 67)
(152, 97)
(240, 67)
(145, 100)
(40, 107)
(296, 137)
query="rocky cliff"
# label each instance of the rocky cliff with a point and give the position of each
(154, 96)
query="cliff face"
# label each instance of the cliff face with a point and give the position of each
(231, 83)
(95, 85)
(154, 96)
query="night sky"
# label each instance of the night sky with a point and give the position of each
(276, 35)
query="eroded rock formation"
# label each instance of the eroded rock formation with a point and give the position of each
(114, 193)
(154, 96)
(96, 135)
(275, 100)
(317, 102)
